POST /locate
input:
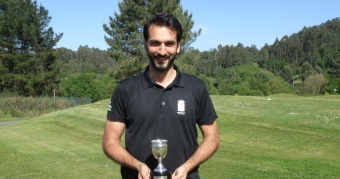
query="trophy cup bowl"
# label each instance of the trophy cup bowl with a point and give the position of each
(159, 150)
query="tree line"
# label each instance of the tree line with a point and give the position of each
(31, 65)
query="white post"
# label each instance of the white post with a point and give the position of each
(294, 78)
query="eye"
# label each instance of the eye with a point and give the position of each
(170, 43)
(154, 43)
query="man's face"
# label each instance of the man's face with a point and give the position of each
(161, 47)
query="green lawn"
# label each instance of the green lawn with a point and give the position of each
(287, 136)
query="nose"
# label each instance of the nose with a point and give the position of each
(162, 50)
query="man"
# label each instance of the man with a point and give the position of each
(161, 103)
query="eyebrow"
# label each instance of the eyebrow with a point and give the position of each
(156, 41)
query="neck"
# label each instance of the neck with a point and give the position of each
(163, 78)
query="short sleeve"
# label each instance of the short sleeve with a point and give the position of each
(207, 113)
(116, 108)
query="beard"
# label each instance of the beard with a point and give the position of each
(161, 67)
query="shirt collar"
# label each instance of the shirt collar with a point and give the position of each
(148, 82)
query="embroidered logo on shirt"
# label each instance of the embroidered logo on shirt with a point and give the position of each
(109, 108)
(181, 107)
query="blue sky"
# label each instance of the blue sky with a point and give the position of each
(225, 22)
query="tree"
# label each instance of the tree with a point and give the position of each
(305, 70)
(186, 61)
(28, 64)
(287, 73)
(263, 57)
(125, 30)
(335, 62)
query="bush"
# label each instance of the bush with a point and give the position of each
(314, 84)
(209, 84)
(255, 93)
(84, 84)
(17, 106)
(250, 80)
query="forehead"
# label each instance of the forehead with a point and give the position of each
(161, 33)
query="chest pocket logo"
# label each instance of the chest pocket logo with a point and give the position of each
(181, 107)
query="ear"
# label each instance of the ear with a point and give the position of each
(145, 45)
(178, 47)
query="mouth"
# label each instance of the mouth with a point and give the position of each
(162, 58)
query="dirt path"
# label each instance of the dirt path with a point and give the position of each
(10, 122)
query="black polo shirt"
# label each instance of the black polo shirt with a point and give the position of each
(151, 112)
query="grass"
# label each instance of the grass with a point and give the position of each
(287, 136)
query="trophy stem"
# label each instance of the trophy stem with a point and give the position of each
(160, 167)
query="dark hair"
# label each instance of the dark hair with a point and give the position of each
(163, 19)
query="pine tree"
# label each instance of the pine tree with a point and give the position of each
(28, 65)
(335, 62)
(125, 30)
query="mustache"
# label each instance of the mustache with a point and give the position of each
(162, 57)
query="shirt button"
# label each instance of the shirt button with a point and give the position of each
(163, 103)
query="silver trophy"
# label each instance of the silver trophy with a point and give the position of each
(159, 151)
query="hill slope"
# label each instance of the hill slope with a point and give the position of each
(280, 136)
(62, 144)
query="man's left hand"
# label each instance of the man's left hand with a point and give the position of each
(180, 173)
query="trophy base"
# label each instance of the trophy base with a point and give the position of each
(161, 175)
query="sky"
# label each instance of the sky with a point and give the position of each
(223, 22)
